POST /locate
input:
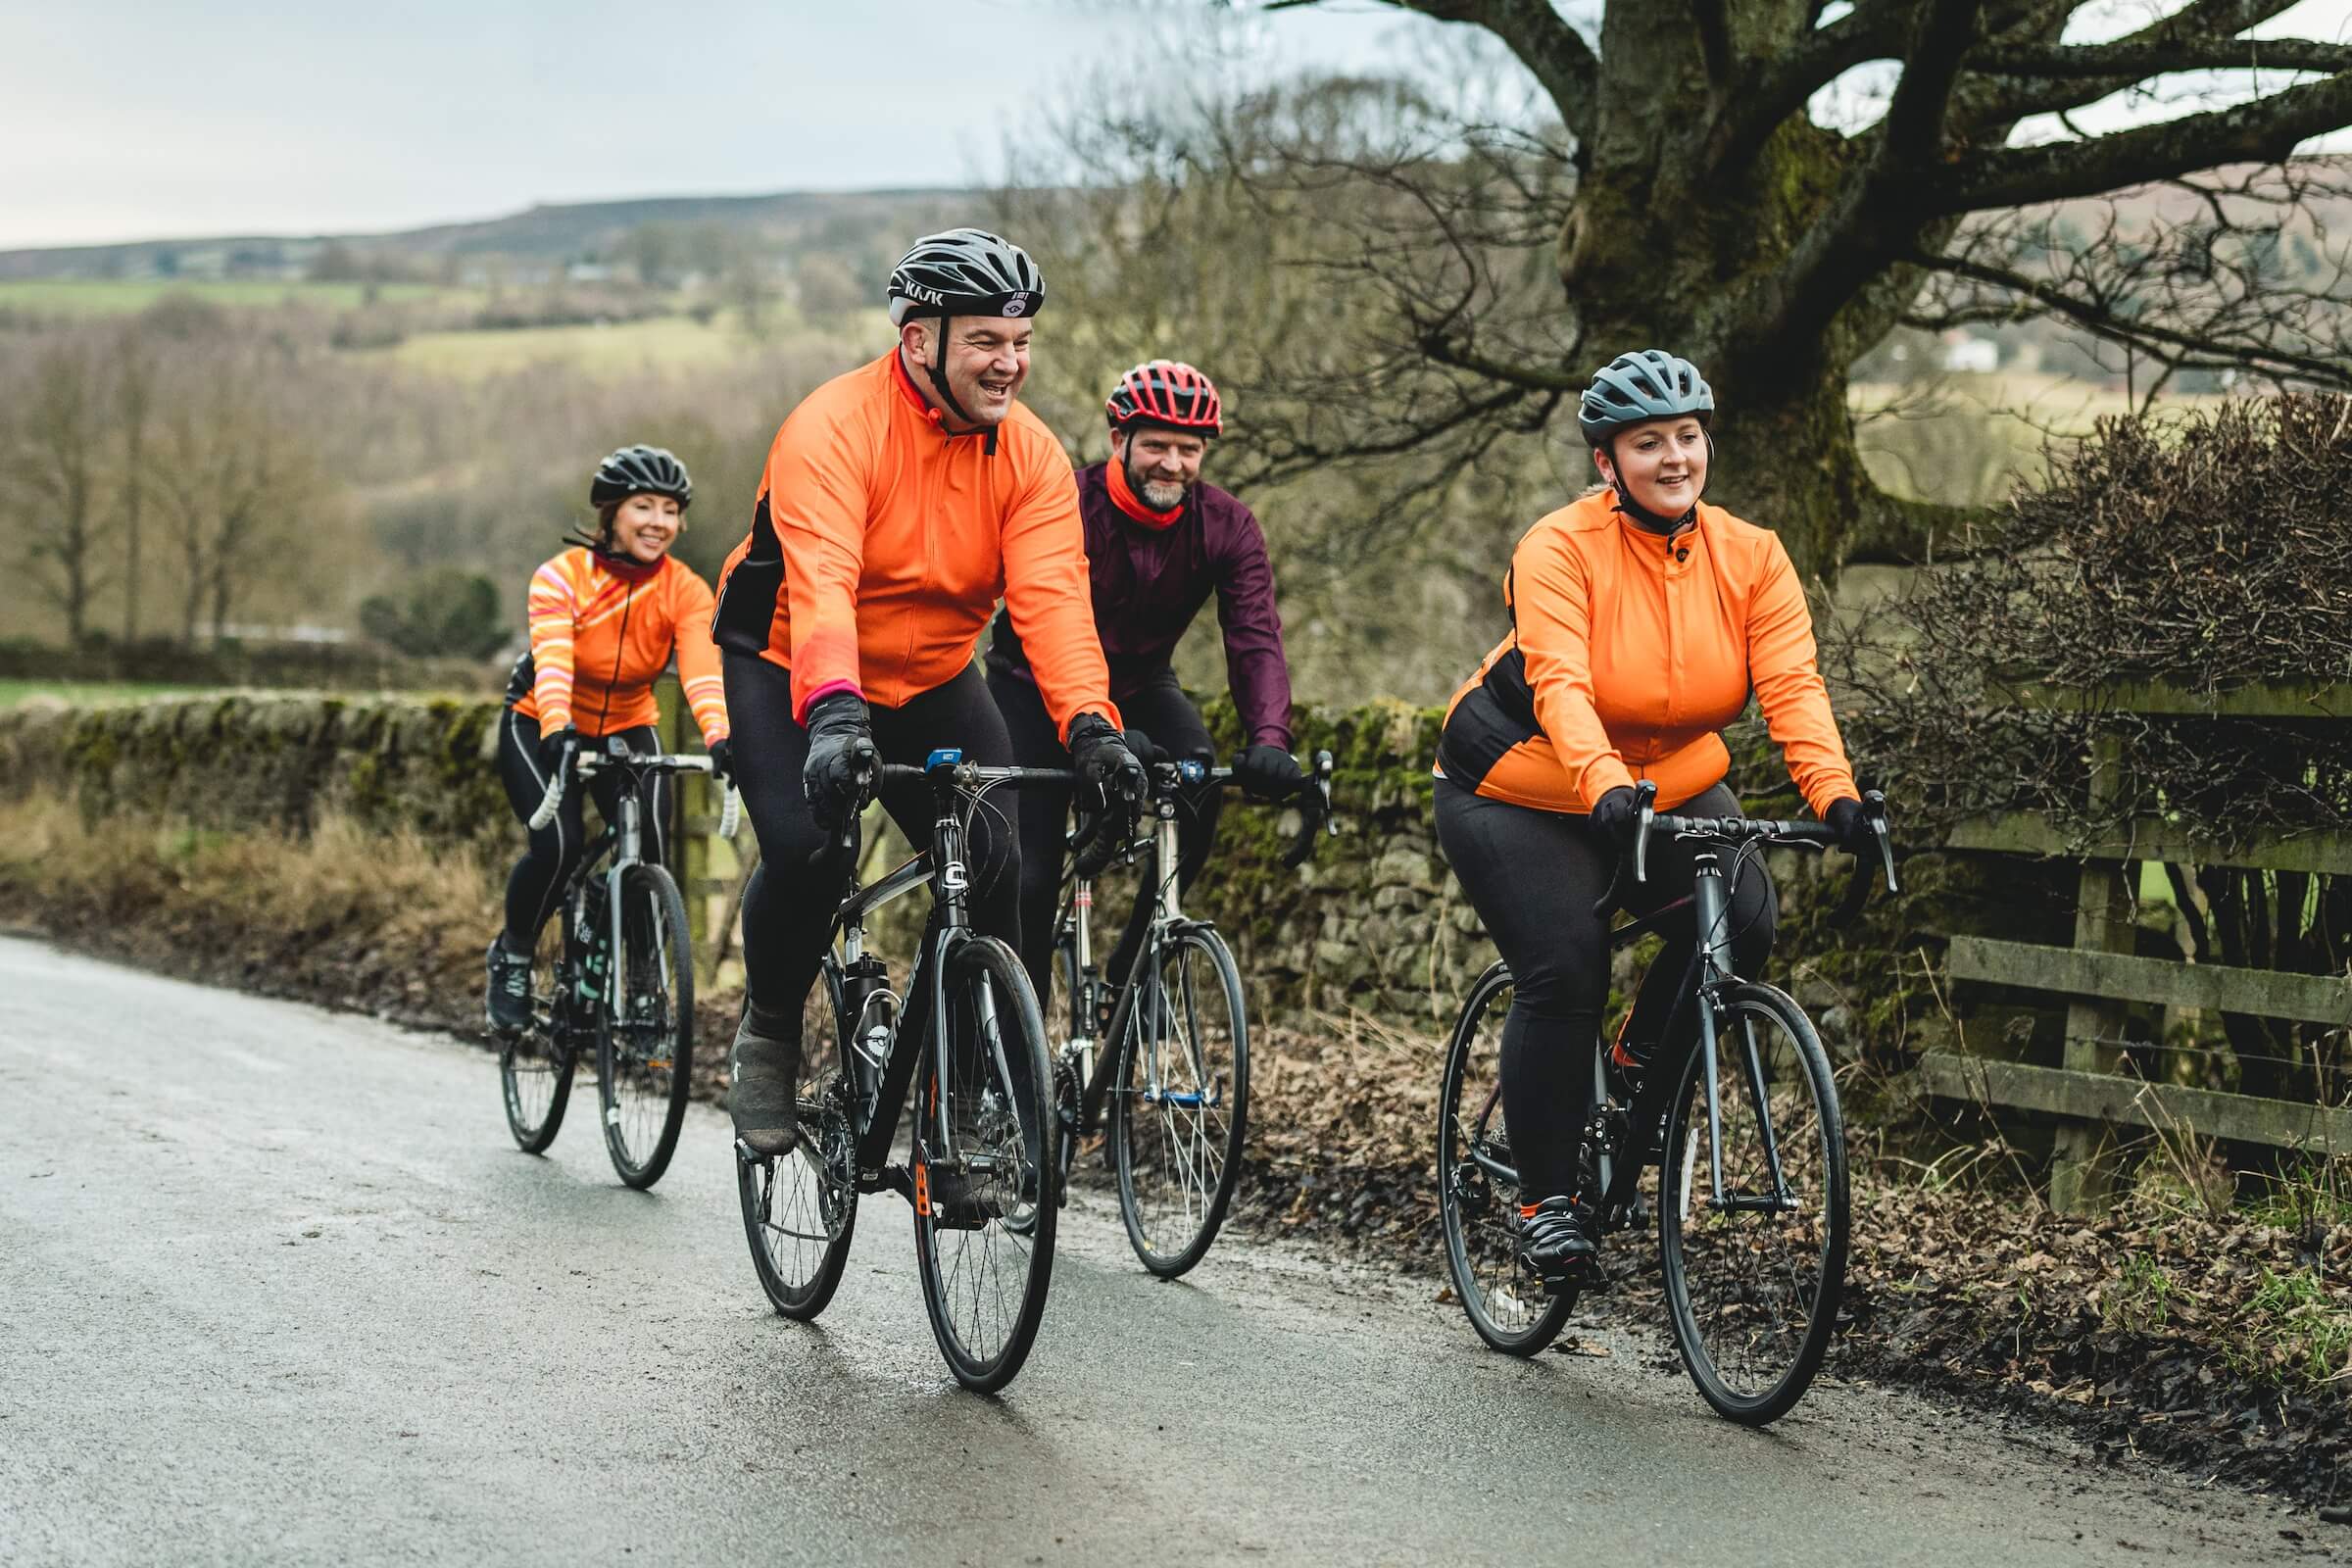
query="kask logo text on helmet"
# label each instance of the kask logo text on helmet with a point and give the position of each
(921, 294)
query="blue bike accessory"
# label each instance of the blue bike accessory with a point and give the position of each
(1192, 769)
(943, 757)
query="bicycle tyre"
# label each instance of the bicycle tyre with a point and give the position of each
(1171, 1247)
(644, 1062)
(821, 1171)
(1507, 1303)
(1712, 1323)
(1001, 1113)
(535, 1069)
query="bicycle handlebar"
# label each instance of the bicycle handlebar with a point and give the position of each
(1739, 829)
(587, 764)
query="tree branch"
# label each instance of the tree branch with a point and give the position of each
(1714, 44)
(2326, 371)
(2135, 61)
(2265, 131)
(1562, 61)
(2000, 96)
(1913, 133)
(1872, 30)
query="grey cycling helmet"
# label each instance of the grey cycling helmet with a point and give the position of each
(965, 271)
(1632, 388)
(641, 470)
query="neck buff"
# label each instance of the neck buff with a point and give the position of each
(1123, 496)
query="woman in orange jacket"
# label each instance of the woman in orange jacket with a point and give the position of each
(606, 617)
(1641, 619)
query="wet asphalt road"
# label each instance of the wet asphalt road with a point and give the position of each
(279, 1290)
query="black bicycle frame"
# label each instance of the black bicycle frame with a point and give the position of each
(923, 1003)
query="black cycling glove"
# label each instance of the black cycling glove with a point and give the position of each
(1268, 773)
(552, 747)
(1617, 813)
(840, 758)
(722, 759)
(1846, 818)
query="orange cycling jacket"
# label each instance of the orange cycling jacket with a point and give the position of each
(601, 632)
(880, 545)
(1627, 651)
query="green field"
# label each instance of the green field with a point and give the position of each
(85, 691)
(93, 297)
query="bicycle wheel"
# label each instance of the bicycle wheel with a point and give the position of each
(982, 1115)
(800, 1209)
(645, 1049)
(1181, 1101)
(1754, 1268)
(535, 1068)
(1478, 1187)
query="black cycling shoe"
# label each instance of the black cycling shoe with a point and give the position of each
(1557, 1240)
(765, 1070)
(507, 1001)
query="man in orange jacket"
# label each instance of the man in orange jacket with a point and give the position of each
(900, 502)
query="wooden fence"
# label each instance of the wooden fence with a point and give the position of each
(2099, 974)
(709, 868)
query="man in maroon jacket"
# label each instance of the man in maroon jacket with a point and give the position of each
(1158, 543)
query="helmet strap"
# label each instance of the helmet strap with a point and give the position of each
(1640, 515)
(937, 370)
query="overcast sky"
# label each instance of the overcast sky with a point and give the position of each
(134, 119)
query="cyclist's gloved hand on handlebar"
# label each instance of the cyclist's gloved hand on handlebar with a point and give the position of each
(722, 759)
(1268, 773)
(552, 747)
(1145, 754)
(1846, 818)
(1616, 814)
(1104, 761)
(841, 757)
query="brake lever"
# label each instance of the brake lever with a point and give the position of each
(1647, 791)
(1874, 807)
(847, 843)
(1638, 854)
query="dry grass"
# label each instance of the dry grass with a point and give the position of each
(381, 921)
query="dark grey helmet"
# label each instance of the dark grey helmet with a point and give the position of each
(965, 271)
(641, 470)
(1631, 388)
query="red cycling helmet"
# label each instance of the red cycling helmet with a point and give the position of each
(1167, 392)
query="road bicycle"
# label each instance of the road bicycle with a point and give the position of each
(636, 1014)
(1740, 1121)
(1179, 1060)
(966, 1035)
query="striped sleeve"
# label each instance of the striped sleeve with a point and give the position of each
(698, 655)
(554, 608)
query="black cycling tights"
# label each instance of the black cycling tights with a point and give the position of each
(1162, 711)
(538, 878)
(788, 907)
(1532, 877)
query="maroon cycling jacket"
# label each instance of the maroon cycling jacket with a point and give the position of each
(1150, 582)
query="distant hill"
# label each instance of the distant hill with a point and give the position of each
(536, 241)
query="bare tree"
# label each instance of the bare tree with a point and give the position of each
(135, 365)
(1702, 205)
(55, 458)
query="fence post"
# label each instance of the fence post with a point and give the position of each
(2083, 1167)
